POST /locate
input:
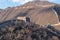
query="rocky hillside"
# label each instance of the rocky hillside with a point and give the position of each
(20, 30)
(37, 11)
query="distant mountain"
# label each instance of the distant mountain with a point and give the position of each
(39, 12)
(1, 10)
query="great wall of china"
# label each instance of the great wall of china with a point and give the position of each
(36, 5)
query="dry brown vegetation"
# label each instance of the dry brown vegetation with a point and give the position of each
(21, 30)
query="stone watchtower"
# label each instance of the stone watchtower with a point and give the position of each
(26, 19)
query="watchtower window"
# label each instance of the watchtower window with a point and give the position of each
(27, 19)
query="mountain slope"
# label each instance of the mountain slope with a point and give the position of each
(57, 9)
(39, 12)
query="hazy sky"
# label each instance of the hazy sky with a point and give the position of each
(11, 3)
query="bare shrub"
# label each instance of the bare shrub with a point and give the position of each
(28, 31)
